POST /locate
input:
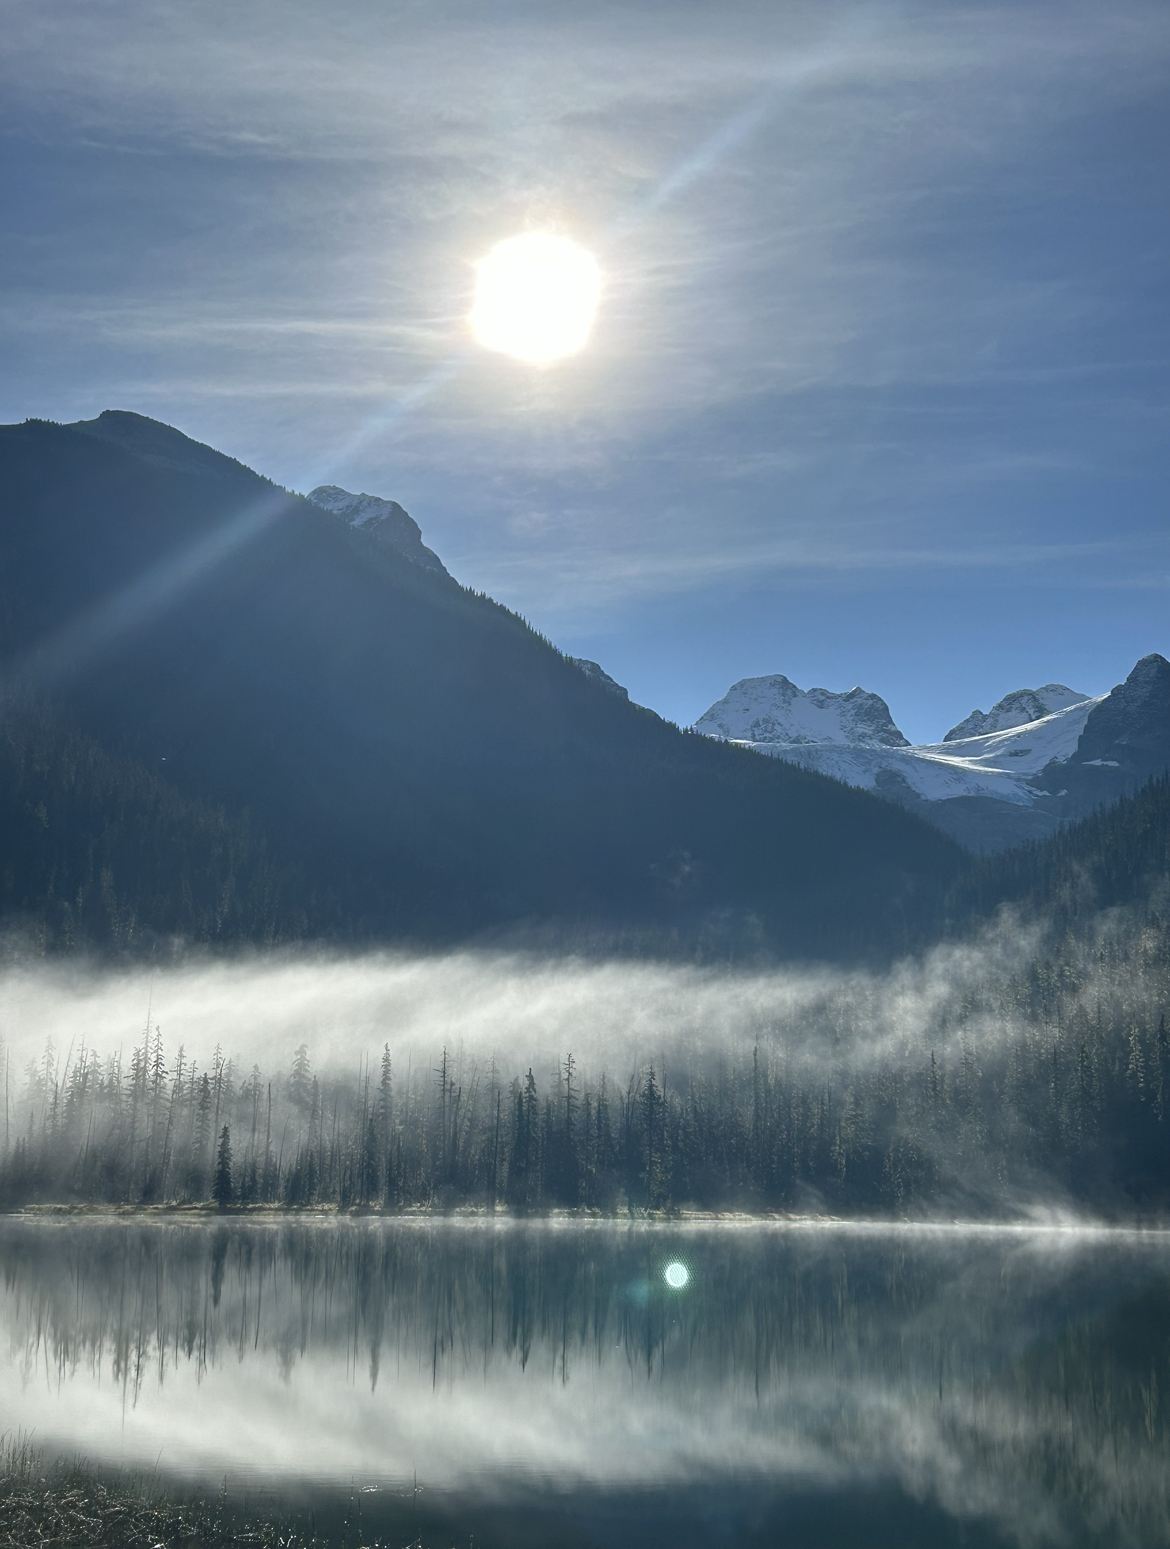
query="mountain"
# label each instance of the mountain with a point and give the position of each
(161, 446)
(773, 710)
(1020, 708)
(1013, 780)
(102, 852)
(399, 758)
(595, 674)
(1125, 742)
(382, 519)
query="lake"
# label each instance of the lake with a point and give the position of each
(473, 1382)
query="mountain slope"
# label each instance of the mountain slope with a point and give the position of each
(596, 675)
(100, 853)
(421, 755)
(1118, 857)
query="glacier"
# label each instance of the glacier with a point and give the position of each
(998, 764)
(1036, 759)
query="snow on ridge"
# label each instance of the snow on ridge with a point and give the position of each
(357, 510)
(1020, 708)
(598, 675)
(933, 779)
(998, 762)
(386, 519)
(773, 710)
(1023, 750)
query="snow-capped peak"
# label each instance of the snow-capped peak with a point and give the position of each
(1018, 748)
(599, 676)
(386, 519)
(358, 510)
(773, 709)
(1020, 708)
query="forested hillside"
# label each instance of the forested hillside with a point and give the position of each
(102, 853)
(411, 760)
(1118, 856)
(1028, 1062)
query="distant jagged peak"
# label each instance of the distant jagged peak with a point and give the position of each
(1150, 673)
(1019, 708)
(1130, 726)
(386, 519)
(598, 675)
(772, 709)
(359, 510)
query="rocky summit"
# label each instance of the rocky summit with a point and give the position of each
(385, 520)
(1017, 709)
(774, 710)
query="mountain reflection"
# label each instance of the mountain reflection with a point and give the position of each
(1013, 1379)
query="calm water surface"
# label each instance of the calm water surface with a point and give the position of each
(520, 1384)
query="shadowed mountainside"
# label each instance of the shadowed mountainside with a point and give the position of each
(423, 762)
(1119, 857)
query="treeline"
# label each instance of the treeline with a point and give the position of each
(1048, 1084)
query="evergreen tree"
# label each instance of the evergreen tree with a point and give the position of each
(222, 1191)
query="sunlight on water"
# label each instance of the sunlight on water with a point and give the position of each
(676, 1275)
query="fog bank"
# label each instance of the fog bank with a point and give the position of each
(524, 1008)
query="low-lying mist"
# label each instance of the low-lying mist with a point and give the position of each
(1009, 1067)
(523, 1008)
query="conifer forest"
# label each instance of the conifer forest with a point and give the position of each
(1050, 1080)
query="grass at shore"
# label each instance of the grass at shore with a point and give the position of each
(65, 1505)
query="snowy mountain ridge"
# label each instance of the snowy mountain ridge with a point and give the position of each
(1038, 758)
(999, 764)
(597, 675)
(1021, 708)
(773, 710)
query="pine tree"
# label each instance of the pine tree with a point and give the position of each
(201, 1139)
(222, 1191)
(300, 1080)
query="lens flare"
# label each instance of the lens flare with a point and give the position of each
(676, 1275)
(535, 297)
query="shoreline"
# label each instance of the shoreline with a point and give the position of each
(479, 1218)
(51, 1500)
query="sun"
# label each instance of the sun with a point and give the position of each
(535, 297)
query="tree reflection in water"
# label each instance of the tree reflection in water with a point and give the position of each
(1013, 1381)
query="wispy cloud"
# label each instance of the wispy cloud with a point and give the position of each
(868, 259)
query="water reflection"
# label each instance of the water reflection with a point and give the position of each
(1008, 1386)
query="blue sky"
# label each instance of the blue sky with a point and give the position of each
(879, 390)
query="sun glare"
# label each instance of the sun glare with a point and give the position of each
(535, 297)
